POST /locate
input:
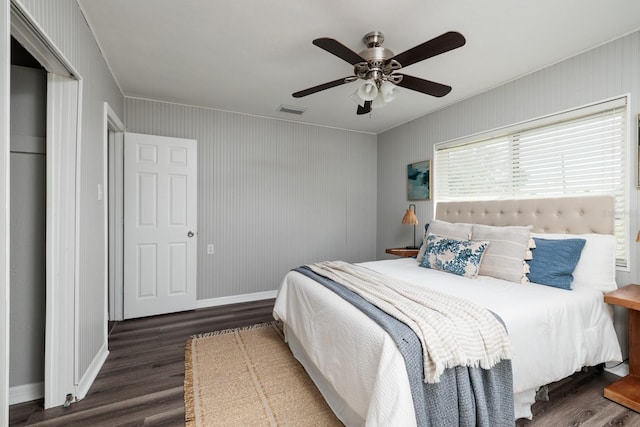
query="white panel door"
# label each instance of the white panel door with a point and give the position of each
(160, 219)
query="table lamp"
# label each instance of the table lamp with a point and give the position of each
(410, 218)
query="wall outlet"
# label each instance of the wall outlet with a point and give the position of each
(210, 249)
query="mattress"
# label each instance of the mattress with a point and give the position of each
(361, 373)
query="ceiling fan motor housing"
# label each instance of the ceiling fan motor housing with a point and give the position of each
(378, 67)
(377, 55)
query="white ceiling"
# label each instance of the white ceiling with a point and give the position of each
(249, 56)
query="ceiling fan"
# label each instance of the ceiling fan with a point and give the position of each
(378, 67)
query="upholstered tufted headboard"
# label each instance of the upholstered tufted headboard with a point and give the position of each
(571, 215)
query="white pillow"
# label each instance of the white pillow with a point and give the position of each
(508, 248)
(596, 268)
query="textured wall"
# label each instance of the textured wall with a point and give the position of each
(605, 72)
(272, 194)
(65, 25)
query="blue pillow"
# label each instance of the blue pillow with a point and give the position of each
(554, 261)
(461, 257)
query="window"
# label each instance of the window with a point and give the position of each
(574, 153)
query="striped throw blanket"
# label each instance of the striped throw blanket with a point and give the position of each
(453, 331)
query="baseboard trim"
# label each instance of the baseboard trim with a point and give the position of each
(234, 299)
(26, 393)
(92, 372)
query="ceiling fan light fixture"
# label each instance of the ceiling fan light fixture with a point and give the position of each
(385, 95)
(387, 90)
(368, 91)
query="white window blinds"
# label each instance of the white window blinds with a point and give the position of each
(575, 153)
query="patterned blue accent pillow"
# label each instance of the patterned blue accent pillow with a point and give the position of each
(554, 261)
(461, 257)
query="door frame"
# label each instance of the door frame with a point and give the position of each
(64, 118)
(113, 152)
(5, 91)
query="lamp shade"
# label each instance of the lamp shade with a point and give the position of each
(410, 217)
(386, 90)
(368, 91)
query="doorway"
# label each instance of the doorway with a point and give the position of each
(114, 158)
(63, 104)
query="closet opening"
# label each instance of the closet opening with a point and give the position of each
(28, 164)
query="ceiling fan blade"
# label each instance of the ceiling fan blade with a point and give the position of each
(441, 44)
(424, 86)
(318, 88)
(364, 110)
(338, 49)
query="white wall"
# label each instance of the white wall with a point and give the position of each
(65, 25)
(272, 194)
(604, 72)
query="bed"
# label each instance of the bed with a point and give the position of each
(552, 332)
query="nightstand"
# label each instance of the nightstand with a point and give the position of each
(627, 390)
(403, 252)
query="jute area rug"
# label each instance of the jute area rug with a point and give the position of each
(248, 377)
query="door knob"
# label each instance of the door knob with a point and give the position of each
(190, 234)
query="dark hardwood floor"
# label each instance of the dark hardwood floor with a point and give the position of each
(141, 381)
(578, 401)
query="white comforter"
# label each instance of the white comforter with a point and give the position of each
(553, 333)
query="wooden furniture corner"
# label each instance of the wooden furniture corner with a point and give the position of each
(626, 391)
(403, 252)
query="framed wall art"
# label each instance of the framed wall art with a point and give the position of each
(419, 180)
